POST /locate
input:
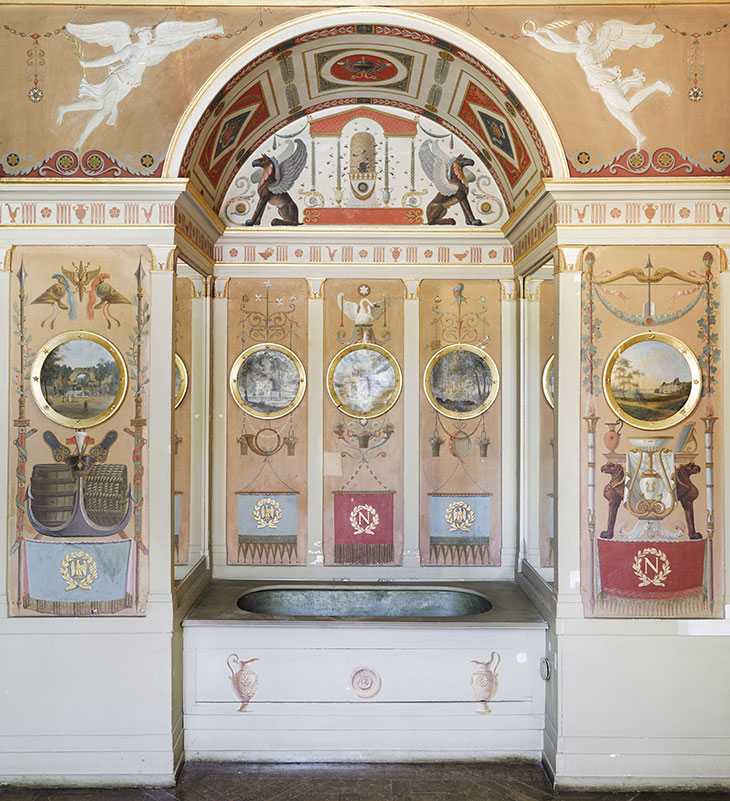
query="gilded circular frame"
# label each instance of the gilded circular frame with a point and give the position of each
(260, 402)
(79, 396)
(452, 407)
(350, 379)
(547, 379)
(643, 409)
(182, 371)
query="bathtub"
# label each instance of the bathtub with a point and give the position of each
(351, 671)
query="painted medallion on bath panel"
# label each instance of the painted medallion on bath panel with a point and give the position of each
(460, 509)
(363, 422)
(182, 405)
(78, 390)
(267, 421)
(652, 535)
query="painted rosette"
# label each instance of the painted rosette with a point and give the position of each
(268, 381)
(461, 381)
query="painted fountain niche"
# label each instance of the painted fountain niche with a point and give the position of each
(652, 528)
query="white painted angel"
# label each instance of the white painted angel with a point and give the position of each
(608, 81)
(127, 63)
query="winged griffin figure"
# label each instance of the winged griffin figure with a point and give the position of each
(448, 176)
(277, 178)
(592, 51)
(127, 63)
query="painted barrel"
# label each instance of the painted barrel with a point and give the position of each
(52, 489)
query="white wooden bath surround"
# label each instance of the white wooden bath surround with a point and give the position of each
(305, 707)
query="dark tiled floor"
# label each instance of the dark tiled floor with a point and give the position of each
(494, 781)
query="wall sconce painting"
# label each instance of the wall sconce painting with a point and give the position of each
(268, 381)
(79, 379)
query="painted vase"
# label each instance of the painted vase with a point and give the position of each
(245, 681)
(484, 682)
(612, 437)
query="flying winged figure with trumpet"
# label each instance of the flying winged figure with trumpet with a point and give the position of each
(591, 51)
(126, 63)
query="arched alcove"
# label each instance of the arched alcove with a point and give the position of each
(375, 58)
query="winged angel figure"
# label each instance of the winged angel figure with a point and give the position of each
(614, 34)
(127, 63)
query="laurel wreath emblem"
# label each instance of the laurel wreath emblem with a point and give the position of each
(659, 578)
(371, 526)
(460, 516)
(84, 571)
(270, 517)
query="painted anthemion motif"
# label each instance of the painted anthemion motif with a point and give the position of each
(267, 413)
(650, 394)
(363, 422)
(80, 535)
(460, 419)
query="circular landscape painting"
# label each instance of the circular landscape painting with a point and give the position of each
(652, 380)
(79, 379)
(364, 380)
(461, 381)
(268, 380)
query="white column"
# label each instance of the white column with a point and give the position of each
(567, 434)
(160, 426)
(509, 389)
(218, 433)
(530, 424)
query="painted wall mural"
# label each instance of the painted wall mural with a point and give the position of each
(363, 422)
(80, 544)
(460, 341)
(267, 422)
(364, 167)
(651, 382)
(140, 63)
(182, 451)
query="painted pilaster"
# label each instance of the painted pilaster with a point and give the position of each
(530, 423)
(200, 424)
(315, 390)
(567, 432)
(218, 433)
(723, 449)
(510, 386)
(411, 396)
(5, 345)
